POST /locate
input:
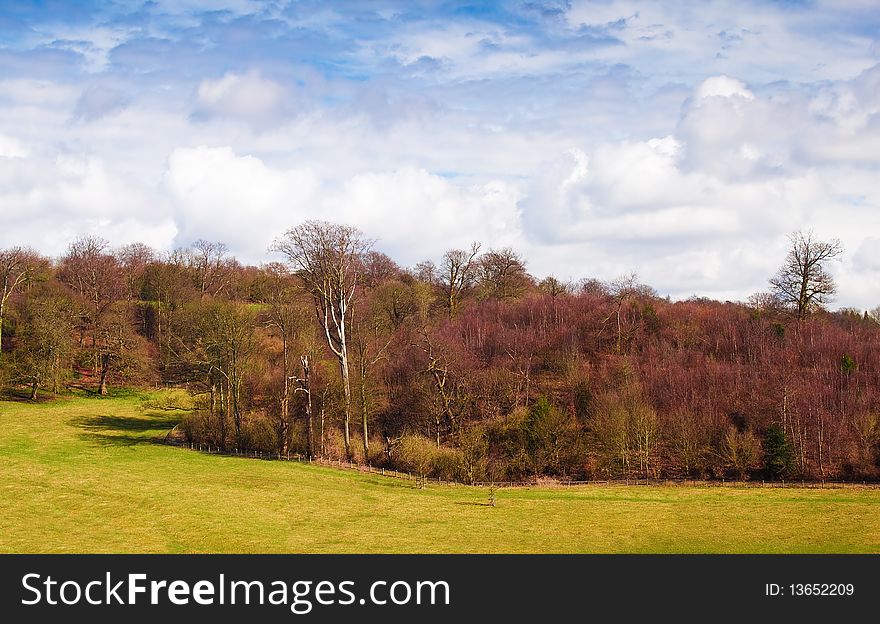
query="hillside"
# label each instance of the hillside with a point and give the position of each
(83, 475)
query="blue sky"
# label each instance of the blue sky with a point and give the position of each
(682, 141)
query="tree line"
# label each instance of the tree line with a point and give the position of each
(467, 368)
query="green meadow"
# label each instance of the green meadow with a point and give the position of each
(85, 474)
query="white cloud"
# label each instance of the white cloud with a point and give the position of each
(243, 96)
(11, 147)
(238, 200)
(417, 215)
(723, 86)
(49, 200)
(686, 152)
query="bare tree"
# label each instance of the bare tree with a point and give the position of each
(623, 290)
(288, 316)
(120, 348)
(134, 259)
(438, 369)
(46, 349)
(17, 267)
(370, 343)
(502, 274)
(212, 269)
(95, 274)
(803, 283)
(458, 271)
(304, 385)
(328, 258)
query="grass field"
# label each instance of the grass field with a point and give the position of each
(82, 475)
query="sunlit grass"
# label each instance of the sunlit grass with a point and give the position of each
(84, 475)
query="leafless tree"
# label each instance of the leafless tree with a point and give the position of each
(46, 350)
(502, 274)
(803, 282)
(458, 271)
(212, 270)
(134, 259)
(370, 344)
(328, 258)
(91, 271)
(287, 316)
(623, 290)
(17, 267)
(304, 385)
(438, 369)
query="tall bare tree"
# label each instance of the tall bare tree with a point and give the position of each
(371, 340)
(328, 258)
(288, 316)
(803, 282)
(439, 370)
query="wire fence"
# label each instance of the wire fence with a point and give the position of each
(423, 480)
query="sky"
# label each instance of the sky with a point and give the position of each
(683, 141)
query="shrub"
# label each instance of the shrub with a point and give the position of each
(258, 433)
(741, 451)
(170, 399)
(421, 456)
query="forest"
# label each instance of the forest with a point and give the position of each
(466, 368)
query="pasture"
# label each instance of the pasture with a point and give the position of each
(85, 475)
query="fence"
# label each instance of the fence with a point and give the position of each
(720, 483)
(422, 481)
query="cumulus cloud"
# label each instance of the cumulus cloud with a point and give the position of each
(218, 195)
(49, 200)
(706, 209)
(417, 215)
(683, 142)
(723, 86)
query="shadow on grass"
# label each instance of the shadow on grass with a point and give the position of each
(18, 395)
(108, 430)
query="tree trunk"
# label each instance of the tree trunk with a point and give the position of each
(2, 306)
(285, 398)
(346, 390)
(310, 444)
(105, 366)
(364, 412)
(55, 366)
(306, 388)
(322, 429)
(212, 409)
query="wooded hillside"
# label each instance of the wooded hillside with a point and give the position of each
(467, 368)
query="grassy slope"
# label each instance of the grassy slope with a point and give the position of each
(81, 475)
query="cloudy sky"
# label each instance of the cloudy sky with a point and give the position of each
(681, 141)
